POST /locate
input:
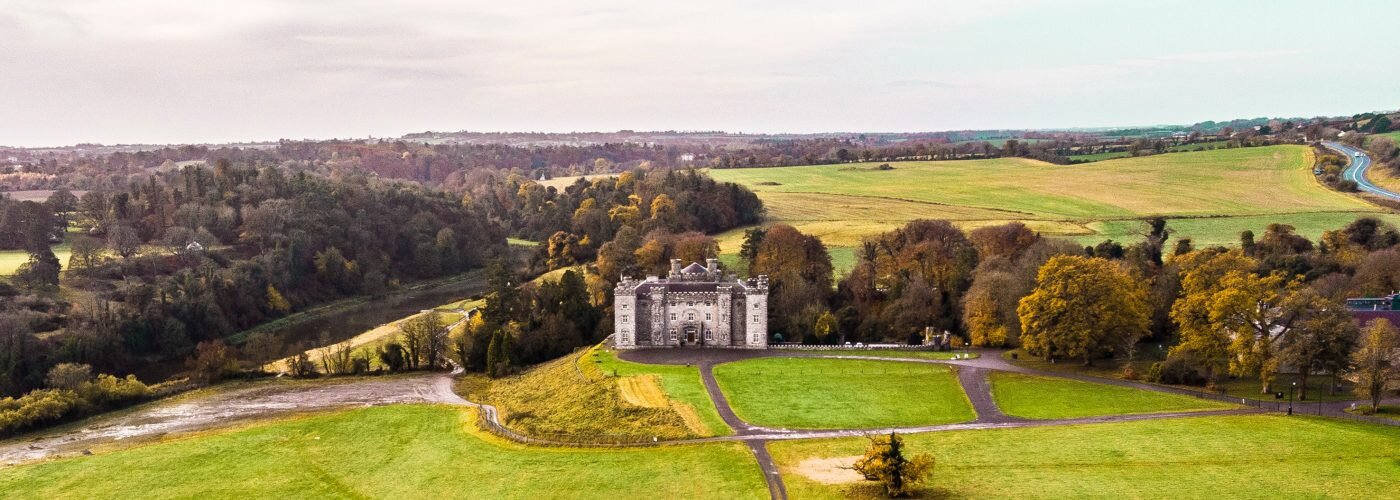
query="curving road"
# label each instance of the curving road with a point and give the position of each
(1356, 170)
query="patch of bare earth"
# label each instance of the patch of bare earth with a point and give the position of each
(223, 408)
(836, 470)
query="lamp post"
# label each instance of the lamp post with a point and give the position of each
(1292, 388)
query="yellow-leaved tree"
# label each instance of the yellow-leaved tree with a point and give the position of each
(1083, 307)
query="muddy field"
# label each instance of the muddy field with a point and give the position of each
(223, 408)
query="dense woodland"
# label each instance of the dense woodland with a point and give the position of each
(198, 254)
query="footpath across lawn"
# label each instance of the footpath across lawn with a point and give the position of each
(396, 451)
(816, 393)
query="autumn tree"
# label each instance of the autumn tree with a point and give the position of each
(420, 339)
(1202, 340)
(123, 240)
(84, 252)
(1375, 362)
(1082, 307)
(212, 361)
(799, 278)
(1322, 340)
(885, 461)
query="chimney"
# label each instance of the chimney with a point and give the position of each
(712, 265)
(675, 268)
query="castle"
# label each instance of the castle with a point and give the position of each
(698, 306)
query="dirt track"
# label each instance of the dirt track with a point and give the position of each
(225, 407)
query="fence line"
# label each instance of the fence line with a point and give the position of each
(1319, 408)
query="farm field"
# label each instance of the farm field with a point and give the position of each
(1210, 196)
(1035, 397)
(813, 393)
(1255, 456)
(419, 451)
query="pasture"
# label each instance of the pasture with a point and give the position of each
(1034, 397)
(399, 451)
(815, 393)
(1209, 196)
(1255, 456)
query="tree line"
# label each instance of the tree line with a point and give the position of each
(197, 254)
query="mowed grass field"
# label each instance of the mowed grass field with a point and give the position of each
(1256, 456)
(815, 393)
(1035, 397)
(397, 451)
(1210, 196)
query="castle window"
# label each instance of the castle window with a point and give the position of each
(690, 304)
(690, 317)
(755, 318)
(707, 316)
(673, 316)
(626, 306)
(626, 318)
(709, 335)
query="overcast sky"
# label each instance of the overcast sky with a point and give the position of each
(176, 71)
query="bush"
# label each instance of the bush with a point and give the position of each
(68, 376)
(36, 407)
(1179, 370)
(1347, 186)
(1154, 374)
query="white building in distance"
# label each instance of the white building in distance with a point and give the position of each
(698, 306)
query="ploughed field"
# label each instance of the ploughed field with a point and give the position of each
(1210, 196)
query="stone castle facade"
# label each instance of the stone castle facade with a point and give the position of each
(700, 306)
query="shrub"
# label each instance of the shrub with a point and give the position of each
(68, 376)
(35, 408)
(1154, 374)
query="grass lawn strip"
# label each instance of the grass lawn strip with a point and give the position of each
(1030, 396)
(419, 451)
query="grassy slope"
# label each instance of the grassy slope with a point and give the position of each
(574, 399)
(1223, 192)
(390, 451)
(1220, 457)
(1042, 398)
(681, 383)
(836, 393)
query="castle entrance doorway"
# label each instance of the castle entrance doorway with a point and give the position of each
(692, 335)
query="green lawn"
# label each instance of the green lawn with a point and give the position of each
(399, 451)
(10, 260)
(1046, 398)
(885, 354)
(813, 393)
(681, 383)
(1257, 456)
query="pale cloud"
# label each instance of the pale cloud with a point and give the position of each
(213, 70)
